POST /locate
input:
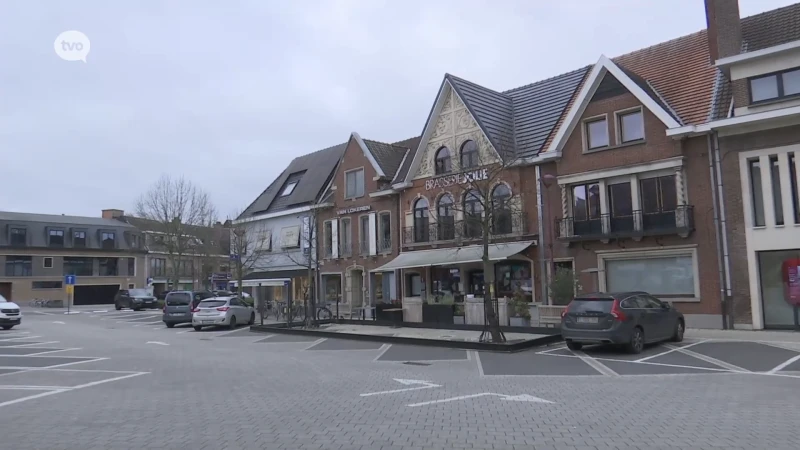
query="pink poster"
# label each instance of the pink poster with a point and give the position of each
(791, 276)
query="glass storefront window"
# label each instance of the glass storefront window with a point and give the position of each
(475, 283)
(513, 278)
(446, 285)
(778, 272)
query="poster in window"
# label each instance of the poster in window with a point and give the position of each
(791, 278)
(290, 237)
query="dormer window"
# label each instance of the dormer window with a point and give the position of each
(19, 236)
(55, 238)
(79, 239)
(775, 86)
(108, 240)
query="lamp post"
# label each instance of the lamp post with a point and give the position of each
(545, 181)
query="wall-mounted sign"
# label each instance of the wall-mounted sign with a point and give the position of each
(290, 237)
(354, 209)
(459, 178)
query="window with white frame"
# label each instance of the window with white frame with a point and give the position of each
(671, 274)
(631, 126)
(596, 133)
(345, 237)
(354, 183)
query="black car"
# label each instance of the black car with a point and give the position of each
(632, 319)
(134, 299)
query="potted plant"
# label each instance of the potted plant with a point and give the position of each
(521, 315)
(458, 314)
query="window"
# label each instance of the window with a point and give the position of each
(131, 285)
(79, 239)
(514, 278)
(795, 196)
(78, 266)
(47, 262)
(597, 134)
(18, 266)
(659, 194)
(501, 210)
(775, 86)
(131, 267)
(421, 221)
(661, 276)
(754, 167)
(288, 189)
(134, 241)
(345, 237)
(363, 232)
(469, 155)
(46, 285)
(55, 238)
(108, 240)
(586, 202)
(619, 199)
(158, 267)
(19, 236)
(446, 224)
(443, 163)
(413, 285)
(327, 232)
(631, 126)
(108, 267)
(777, 198)
(473, 215)
(384, 231)
(354, 183)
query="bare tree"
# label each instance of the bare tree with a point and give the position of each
(489, 210)
(250, 247)
(309, 259)
(178, 207)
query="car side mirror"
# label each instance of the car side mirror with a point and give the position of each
(666, 306)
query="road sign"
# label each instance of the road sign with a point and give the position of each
(70, 288)
(69, 280)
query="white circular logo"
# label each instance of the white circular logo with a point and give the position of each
(72, 46)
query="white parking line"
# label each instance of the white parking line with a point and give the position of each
(671, 350)
(551, 350)
(784, 364)
(74, 388)
(232, 331)
(596, 365)
(28, 344)
(28, 368)
(708, 359)
(48, 352)
(19, 338)
(33, 388)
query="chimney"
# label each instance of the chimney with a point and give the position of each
(724, 28)
(113, 213)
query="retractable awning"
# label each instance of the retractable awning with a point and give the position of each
(458, 255)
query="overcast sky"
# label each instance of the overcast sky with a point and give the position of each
(227, 93)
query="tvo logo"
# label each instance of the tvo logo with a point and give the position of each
(72, 46)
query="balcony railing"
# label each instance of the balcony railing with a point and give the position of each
(384, 245)
(445, 230)
(679, 221)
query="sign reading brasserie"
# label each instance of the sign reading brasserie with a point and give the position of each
(354, 209)
(459, 178)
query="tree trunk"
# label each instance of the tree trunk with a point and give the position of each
(488, 291)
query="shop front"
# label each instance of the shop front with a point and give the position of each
(779, 276)
(269, 287)
(438, 285)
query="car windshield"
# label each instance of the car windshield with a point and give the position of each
(586, 305)
(139, 293)
(178, 298)
(212, 303)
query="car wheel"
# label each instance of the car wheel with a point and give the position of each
(170, 325)
(252, 319)
(680, 328)
(117, 306)
(8, 327)
(574, 345)
(636, 344)
(196, 328)
(232, 324)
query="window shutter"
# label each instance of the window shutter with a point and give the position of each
(373, 234)
(335, 238)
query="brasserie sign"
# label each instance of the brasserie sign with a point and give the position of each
(459, 178)
(354, 209)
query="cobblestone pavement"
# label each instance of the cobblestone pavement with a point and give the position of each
(119, 381)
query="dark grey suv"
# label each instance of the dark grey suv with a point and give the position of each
(632, 319)
(178, 306)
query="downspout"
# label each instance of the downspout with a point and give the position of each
(399, 283)
(724, 228)
(717, 232)
(542, 257)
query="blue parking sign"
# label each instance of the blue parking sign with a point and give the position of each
(69, 279)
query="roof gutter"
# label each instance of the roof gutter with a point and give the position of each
(543, 157)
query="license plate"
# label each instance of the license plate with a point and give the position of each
(587, 320)
(175, 314)
(208, 321)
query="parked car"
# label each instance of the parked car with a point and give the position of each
(632, 319)
(134, 299)
(178, 306)
(10, 315)
(222, 311)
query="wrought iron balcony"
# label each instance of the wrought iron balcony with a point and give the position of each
(679, 221)
(449, 229)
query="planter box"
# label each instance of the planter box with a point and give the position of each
(442, 314)
(519, 322)
(458, 320)
(473, 308)
(412, 309)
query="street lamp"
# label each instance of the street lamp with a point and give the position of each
(545, 181)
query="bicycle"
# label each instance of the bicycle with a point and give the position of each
(280, 310)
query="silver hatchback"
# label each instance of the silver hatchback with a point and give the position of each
(222, 312)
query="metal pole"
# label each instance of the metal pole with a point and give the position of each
(542, 256)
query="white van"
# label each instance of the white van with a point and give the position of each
(10, 315)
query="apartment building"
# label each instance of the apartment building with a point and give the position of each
(38, 250)
(358, 226)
